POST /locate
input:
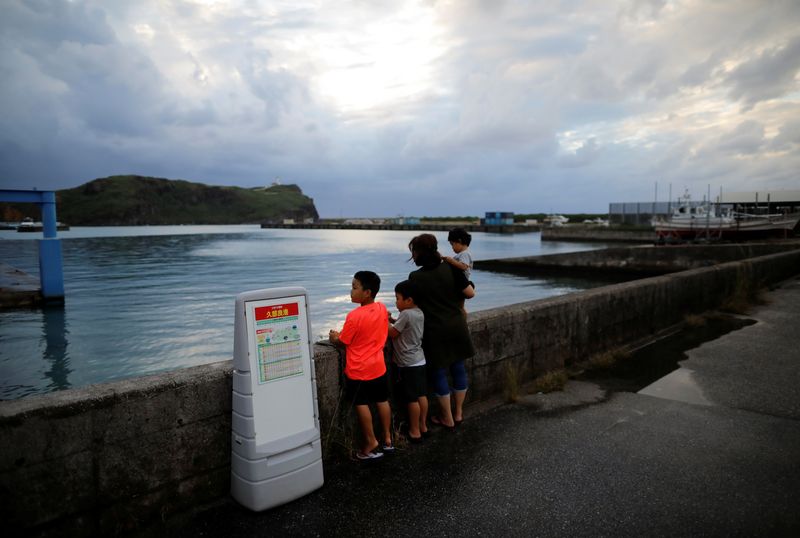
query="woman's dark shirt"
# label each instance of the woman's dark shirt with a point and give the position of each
(446, 337)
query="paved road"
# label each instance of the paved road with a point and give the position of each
(584, 462)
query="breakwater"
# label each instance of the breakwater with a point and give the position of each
(112, 457)
(634, 262)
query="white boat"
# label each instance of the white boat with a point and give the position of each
(28, 225)
(689, 222)
(556, 220)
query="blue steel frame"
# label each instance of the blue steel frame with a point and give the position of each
(51, 269)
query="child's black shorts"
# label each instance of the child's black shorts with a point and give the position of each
(412, 382)
(367, 392)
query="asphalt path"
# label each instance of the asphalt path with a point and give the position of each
(584, 462)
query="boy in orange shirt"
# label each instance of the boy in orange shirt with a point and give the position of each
(364, 336)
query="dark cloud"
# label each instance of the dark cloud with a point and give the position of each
(700, 73)
(41, 24)
(746, 138)
(773, 73)
(788, 138)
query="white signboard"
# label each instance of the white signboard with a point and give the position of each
(276, 451)
(280, 364)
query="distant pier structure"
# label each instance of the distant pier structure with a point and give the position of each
(494, 222)
(51, 269)
(505, 228)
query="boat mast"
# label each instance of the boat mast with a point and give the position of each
(708, 214)
(669, 204)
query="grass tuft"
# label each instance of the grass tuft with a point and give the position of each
(695, 320)
(746, 293)
(607, 359)
(550, 381)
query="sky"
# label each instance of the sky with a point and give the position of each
(414, 108)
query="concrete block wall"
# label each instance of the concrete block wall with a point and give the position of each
(643, 260)
(104, 459)
(110, 458)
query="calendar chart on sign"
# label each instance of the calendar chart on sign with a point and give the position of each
(279, 343)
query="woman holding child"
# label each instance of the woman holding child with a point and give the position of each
(445, 341)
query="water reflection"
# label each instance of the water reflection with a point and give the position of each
(168, 294)
(54, 329)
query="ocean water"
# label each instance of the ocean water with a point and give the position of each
(141, 300)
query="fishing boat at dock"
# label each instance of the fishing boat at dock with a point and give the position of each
(690, 222)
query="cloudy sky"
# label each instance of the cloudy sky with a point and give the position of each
(388, 107)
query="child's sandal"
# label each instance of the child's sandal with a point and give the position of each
(369, 456)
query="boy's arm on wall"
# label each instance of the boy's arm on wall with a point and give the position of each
(333, 336)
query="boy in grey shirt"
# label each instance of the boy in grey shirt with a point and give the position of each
(406, 334)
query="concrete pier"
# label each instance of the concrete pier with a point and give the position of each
(585, 462)
(17, 288)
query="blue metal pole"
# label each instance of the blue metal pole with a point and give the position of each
(51, 270)
(48, 204)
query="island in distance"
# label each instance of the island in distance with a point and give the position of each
(138, 200)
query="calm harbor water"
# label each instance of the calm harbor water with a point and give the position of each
(141, 300)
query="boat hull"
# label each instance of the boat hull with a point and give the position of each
(738, 229)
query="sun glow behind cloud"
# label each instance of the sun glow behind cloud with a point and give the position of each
(390, 61)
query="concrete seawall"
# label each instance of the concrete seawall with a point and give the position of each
(638, 261)
(111, 458)
(583, 233)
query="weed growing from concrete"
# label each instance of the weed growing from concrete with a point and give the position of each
(511, 387)
(746, 293)
(550, 381)
(400, 436)
(339, 440)
(695, 320)
(605, 360)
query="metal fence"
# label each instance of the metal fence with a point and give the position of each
(641, 213)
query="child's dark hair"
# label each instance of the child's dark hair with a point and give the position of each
(369, 281)
(459, 235)
(407, 290)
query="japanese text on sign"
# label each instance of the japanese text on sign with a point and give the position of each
(279, 346)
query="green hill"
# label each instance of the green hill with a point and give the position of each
(136, 200)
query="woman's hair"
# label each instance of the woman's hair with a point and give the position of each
(459, 235)
(425, 250)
